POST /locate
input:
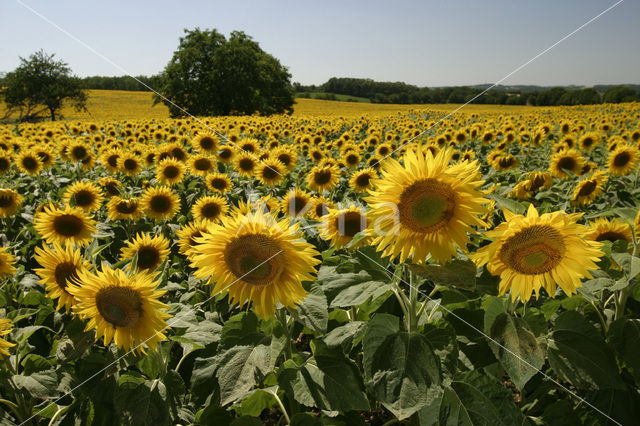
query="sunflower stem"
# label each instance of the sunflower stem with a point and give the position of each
(413, 303)
(281, 314)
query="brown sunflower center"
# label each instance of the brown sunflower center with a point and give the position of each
(225, 154)
(171, 172)
(254, 259)
(285, 159)
(350, 223)
(362, 181)
(112, 188)
(533, 250)
(130, 164)
(79, 152)
(622, 159)
(127, 206)
(210, 210)
(202, 164)
(612, 236)
(322, 177)
(587, 188)
(4, 164)
(30, 163)
(119, 306)
(352, 159)
(160, 203)
(148, 257)
(112, 160)
(84, 198)
(321, 209)
(427, 205)
(587, 142)
(6, 199)
(270, 173)
(568, 163)
(63, 272)
(246, 164)
(218, 183)
(68, 225)
(207, 143)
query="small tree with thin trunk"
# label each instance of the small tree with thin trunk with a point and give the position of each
(41, 85)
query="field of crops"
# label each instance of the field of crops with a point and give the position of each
(351, 264)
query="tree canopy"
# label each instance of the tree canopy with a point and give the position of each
(41, 84)
(211, 75)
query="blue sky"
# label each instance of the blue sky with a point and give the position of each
(427, 43)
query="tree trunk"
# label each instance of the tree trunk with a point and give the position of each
(53, 114)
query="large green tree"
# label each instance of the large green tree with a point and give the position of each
(41, 85)
(211, 75)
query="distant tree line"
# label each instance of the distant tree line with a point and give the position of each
(124, 82)
(402, 93)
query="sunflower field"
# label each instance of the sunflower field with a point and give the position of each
(401, 267)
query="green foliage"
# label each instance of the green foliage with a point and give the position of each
(211, 75)
(40, 85)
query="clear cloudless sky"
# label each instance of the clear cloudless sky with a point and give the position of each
(427, 43)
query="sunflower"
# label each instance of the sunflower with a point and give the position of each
(129, 164)
(589, 140)
(612, 230)
(270, 172)
(352, 159)
(160, 202)
(5, 162)
(322, 178)
(7, 260)
(86, 195)
(245, 164)
(70, 225)
(505, 162)
(77, 151)
(426, 206)
(360, 181)
(10, 202)
(256, 259)
(530, 186)
(170, 171)
(321, 208)
(29, 162)
(5, 328)
(122, 308)
(205, 142)
(210, 208)
(119, 208)
(340, 226)
(60, 266)
(296, 203)
(187, 235)
(200, 165)
(110, 185)
(534, 251)
(623, 160)
(150, 251)
(218, 182)
(286, 156)
(566, 160)
(110, 158)
(588, 189)
(226, 154)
